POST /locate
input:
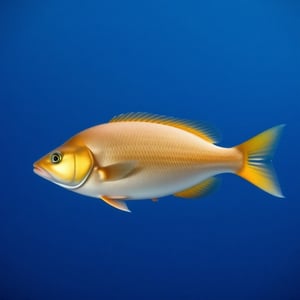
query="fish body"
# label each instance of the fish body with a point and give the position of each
(141, 156)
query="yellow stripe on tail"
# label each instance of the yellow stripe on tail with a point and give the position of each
(257, 167)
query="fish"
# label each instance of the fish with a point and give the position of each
(138, 156)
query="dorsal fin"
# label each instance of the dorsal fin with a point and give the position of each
(202, 130)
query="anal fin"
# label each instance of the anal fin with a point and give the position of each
(117, 202)
(199, 190)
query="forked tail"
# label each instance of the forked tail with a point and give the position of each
(257, 155)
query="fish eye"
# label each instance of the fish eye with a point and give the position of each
(56, 157)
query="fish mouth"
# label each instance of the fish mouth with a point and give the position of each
(41, 172)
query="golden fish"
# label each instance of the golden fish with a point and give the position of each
(143, 156)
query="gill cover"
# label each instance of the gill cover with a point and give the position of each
(71, 169)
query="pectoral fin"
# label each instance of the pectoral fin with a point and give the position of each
(116, 171)
(199, 190)
(116, 203)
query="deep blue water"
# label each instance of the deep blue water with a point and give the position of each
(67, 65)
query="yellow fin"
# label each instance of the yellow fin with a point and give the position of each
(202, 130)
(199, 190)
(258, 153)
(116, 171)
(116, 203)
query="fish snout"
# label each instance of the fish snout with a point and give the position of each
(40, 171)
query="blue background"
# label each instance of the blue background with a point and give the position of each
(67, 65)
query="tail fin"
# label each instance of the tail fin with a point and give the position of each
(257, 166)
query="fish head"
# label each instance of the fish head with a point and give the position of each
(68, 166)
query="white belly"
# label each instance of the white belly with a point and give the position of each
(147, 184)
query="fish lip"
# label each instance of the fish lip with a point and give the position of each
(41, 172)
